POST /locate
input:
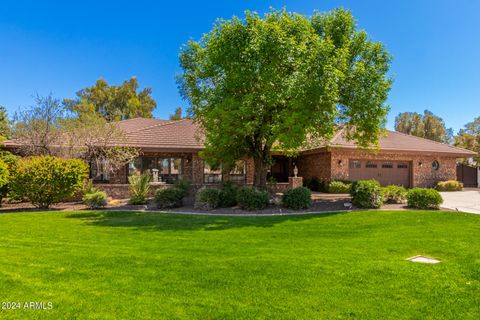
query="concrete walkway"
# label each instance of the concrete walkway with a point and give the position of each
(465, 201)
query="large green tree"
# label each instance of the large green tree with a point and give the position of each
(428, 126)
(260, 82)
(469, 138)
(114, 102)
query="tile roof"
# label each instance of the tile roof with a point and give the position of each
(186, 135)
(397, 141)
(162, 134)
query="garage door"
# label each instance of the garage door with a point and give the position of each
(386, 172)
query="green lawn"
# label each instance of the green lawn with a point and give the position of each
(148, 265)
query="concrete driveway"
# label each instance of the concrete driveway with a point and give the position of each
(465, 201)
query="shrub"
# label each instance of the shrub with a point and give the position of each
(46, 180)
(183, 185)
(297, 198)
(207, 199)
(423, 198)
(252, 199)
(312, 183)
(139, 188)
(95, 200)
(4, 173)
(169, 197)
(339, 187)
(228, 195)
(88, 187)
(366, 194)
(10, 160)
(394, 194)
(449, 185)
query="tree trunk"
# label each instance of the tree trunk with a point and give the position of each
(260, 172)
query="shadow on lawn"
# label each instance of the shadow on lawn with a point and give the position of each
(178, 222)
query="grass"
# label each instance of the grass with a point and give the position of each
(106, 265)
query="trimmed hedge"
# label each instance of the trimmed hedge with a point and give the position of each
(252, 199)
(367, 194)
(45, 180)
(423, 198)
(297, 198)
(339, 187)
(394, 194)
(95, 200)
(449, 185)
(207, 199)
(169, 197)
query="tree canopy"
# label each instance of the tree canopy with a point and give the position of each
(260, 82)
(114, 102)
(178, 114)
(428, 126)
(469, 138)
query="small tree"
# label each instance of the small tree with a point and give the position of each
(90, 137)
(256, 82)
(46, 180)
(38, 128)
(5, 125)
(49, 129)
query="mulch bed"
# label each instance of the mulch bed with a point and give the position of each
(327, 205)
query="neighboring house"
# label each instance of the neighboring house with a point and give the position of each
(172, 147)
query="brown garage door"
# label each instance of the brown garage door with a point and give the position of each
(386, 172)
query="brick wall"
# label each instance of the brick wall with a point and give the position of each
(423, 175)
(316, 165)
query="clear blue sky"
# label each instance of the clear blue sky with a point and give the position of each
(63, 46)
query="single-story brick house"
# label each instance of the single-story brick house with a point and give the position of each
(170, 148)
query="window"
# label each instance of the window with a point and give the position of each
(402, 166)
(135, 167)
(176, 166)
(435, 165)
(169, 169)
(149, 163)
(237, 174)
(371, 165)
(99, 171)
(212, 174)
(355, 164)
(387, 165)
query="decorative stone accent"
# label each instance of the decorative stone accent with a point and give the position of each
(295, 182)
(278, 187)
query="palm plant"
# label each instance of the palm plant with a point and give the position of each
(139, 188)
